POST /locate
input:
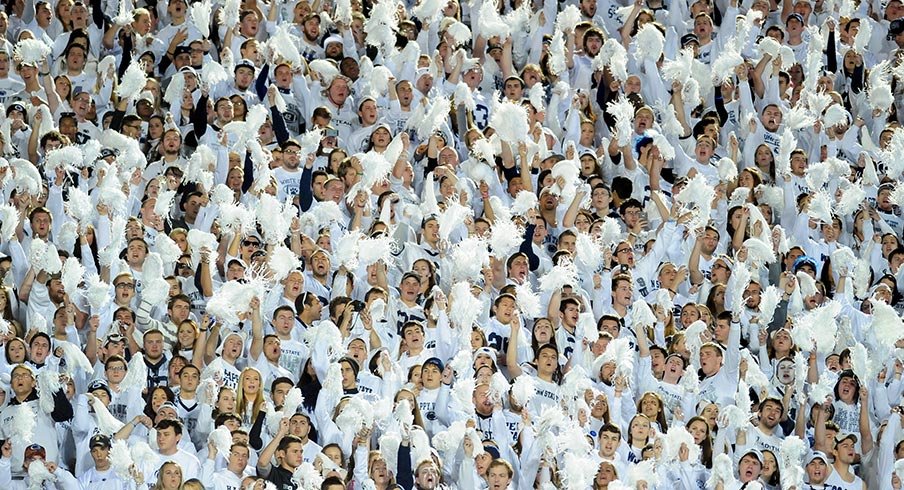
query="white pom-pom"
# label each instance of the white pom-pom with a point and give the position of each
(725, 63)
(641, 315)
(728, 170)
(221, 439)
(887, 325)
(282, 261)
(31, 51)
(229, 13)
(460, 33)
(527, 300)
(469, 257)
(71, 277)
(759, 252)
(48, 386)
(345, 251)
(864, 34)
(568, 18)
(464, 97)
(62, 157)
(699, 195)
(107, 424)
(43, 256)
(769, 301)
(649, 43)
(499, 388)
(371, 250)
(326, 70)
(465, 307)
(613, 56)
(39, 475)
(26, 176)
(306, 477)
(561, 275)
(524, 202)
(851, 199)
(356, 415)
(510, 122)
(136, 374)
(133, 81)
(9, 221)
(75, 358)
(835, 115)
(120, 459)
(807, 284)
(523, 390)
(676, 437)
(820, 207)
(586, 327)
(860, 362)
(490, 23)
(557, 63)
(623, 112)
(899, 468)
(505, 238)
(381, 27)
(722, 472)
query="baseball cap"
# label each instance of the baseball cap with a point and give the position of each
(486, 351)
(332, 39)
(99, 384)
(113, 337)
(491, 450)
(99, 440)
(16, 106)
(802, 261)
(35, 451)
(755, 453)
(689, 38)
(246, 63)
(181, 50)
(435, 361)
(796, 17)
(167, 405)
(817, 455)
(841, 436)
(896, 27)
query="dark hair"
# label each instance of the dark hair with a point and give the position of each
(169, 424)
(148, 408)
(629, 203)
(288, 440)
(622, 187)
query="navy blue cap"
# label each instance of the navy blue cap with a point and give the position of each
(435, 361)
(802, 261)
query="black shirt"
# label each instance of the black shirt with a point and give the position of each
(281, 478)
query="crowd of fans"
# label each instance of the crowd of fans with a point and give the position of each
(509, 245)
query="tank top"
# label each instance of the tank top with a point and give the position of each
(834, 482)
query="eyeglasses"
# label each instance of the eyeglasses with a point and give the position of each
(250, 243)
(125, 285)
(622, 250)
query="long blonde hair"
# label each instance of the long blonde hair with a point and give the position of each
(241, 400)
(159, 484)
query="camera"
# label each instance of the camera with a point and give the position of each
(356, 306)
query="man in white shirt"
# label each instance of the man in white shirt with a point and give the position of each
(101, 477)
(169, 433)
(231, 476)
